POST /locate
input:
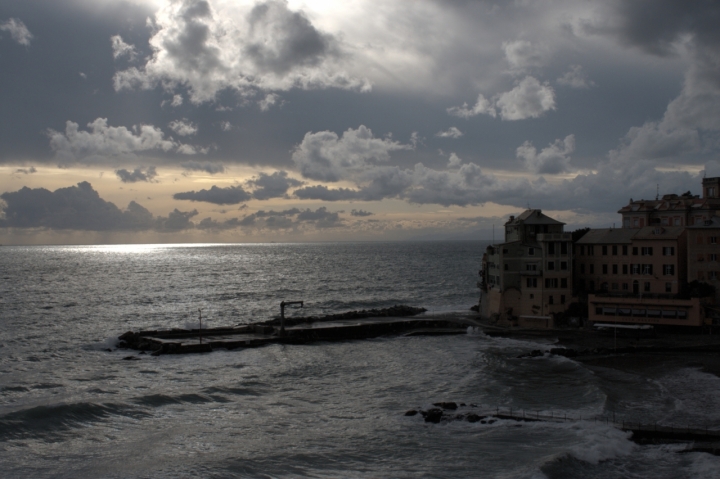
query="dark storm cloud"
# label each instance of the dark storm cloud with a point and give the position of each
(138, 174)
(295, 41)
(655, 25)
(231, 195)
(323, 193)
(26, 171)
(361, 213)
(176, 221)
(274, 185)
(76, 207)
(320, 218)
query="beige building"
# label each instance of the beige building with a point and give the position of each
(674, 210)
(528, 278)
(703, 253)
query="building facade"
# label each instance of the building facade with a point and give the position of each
(528, 278)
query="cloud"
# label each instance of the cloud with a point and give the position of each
(208, 46)
(139, 174)
(321, 218)
(183, 127)
(451, 132)
(293, 218)
(176, 221)
(122, 49)
(523, 55)
(206, 166)
(551, 160)
(26, 171)
(454, 161)
(17, 30)
(231, 195)
(361, 213)
(326, 157)
(77, 208)
(323, 193)
(482, 106)
(529, 99)
(103, 141)
(274, 185)
(575, 78)
(269, 100)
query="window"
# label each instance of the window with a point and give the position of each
(582, 269)
(551, 248)
(668, 287)
(625, 250)
(626, 222)
(647, 269)
(615, 286)
(550, 300)
(668, 251)
(505, 251)
(562, 299)
(712, 257)
(582, 249)
(563, 265)
(646, 251)
(592, 269)
(712, 275)
(635, 222)
(531, 251)
(678, 222)
(531, 282)
(532, 296)
(507, 267)
(563, 282)
(563, 248)
(625, 286)
(712, 239)
(665, 221)
(669, 269)
(625, 269)
(551, 265)
(551, 282)
(635, 268)
(635, 250)
(591, 286)
(604, 269)
(700, 257)
(614, 250)
(604, 250)
(591, 250)
(646, 286)
(615, 269)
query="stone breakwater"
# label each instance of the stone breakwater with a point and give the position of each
(335, 327)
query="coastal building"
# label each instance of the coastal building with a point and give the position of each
(703, 253)
(674, 210)
(527, 279)
(632, 261)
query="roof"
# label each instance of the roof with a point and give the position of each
(533, 217)
(608, 236)
(659, 232)
(713, 222)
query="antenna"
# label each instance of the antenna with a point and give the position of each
(657, 194)
(493, 233)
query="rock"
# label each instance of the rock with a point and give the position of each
(432, 415)
(475, 308)
(107, 350)
(535, 353)
(446, 405)
(472, 417)
(568, 353)
(411, 412)
(131, 358)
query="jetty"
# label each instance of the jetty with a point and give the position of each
(695, 439)
(396, 320)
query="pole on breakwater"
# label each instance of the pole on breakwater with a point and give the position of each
(282, 314)
(200, 311)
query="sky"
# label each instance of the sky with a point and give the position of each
(173, 121)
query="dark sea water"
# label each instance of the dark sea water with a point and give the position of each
(70, 409)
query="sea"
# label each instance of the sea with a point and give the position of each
(72, 407)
